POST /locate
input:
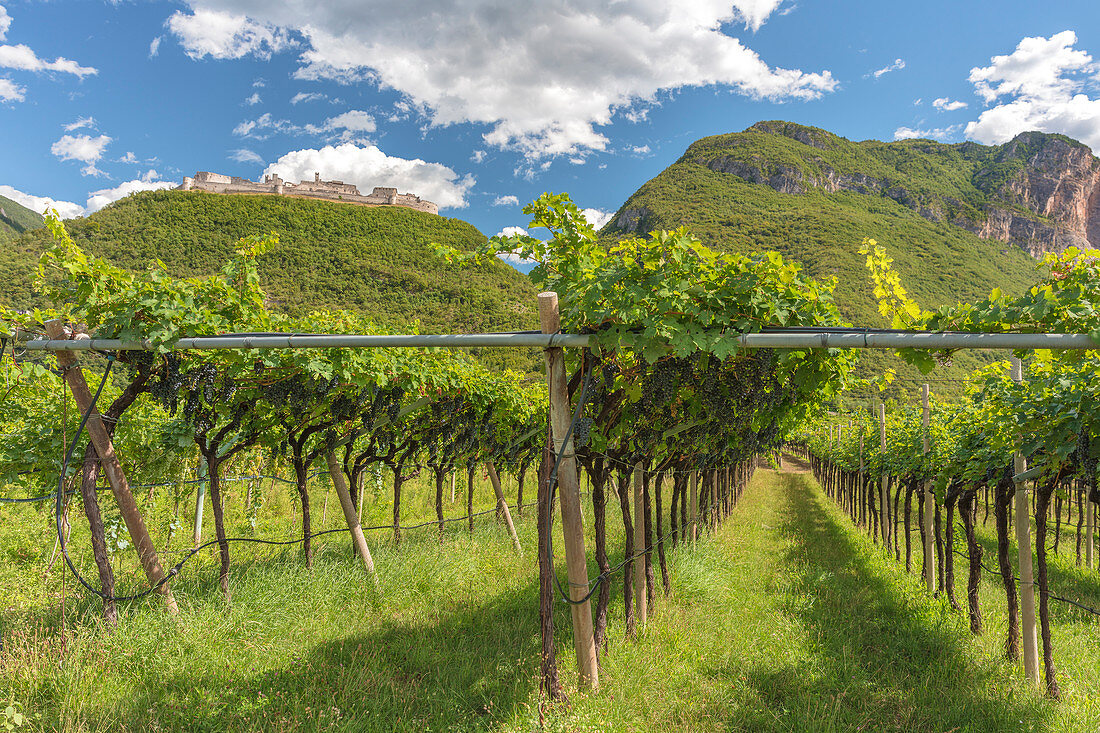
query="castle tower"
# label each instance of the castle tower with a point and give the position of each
(188, 183)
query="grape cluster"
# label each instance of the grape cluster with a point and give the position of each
(582, 431)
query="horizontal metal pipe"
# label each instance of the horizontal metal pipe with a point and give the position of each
(317, 341)
(766, 340)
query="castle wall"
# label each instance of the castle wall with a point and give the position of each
(327, 190)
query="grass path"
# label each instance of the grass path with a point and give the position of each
(789, 620)
(786, 619)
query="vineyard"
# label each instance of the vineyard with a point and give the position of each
(664, 532)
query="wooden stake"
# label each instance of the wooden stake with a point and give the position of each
(569, 489)
(200, 501)
(639, 546)
(884, 489)
(694, 507)
(929, 511)
(502, 504)
(139, 534)
(352, 517)
(1028, 635)
(1090, 528)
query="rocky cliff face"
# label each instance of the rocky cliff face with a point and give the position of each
(1040, 192)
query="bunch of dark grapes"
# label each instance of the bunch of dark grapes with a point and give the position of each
(582, 431)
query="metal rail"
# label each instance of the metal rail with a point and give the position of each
(777, 339)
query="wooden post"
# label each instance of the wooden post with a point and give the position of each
(1028, 636)
(200, 501)
(350, 514)
(569, 489)
(502, 504)
(139, 534)
(884, 490)
(1090, 528)
(639, 546)
(453, 474)
(929, 511)
(694, 507)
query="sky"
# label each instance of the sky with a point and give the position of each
(482, 105)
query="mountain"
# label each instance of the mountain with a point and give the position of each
(377, 260)
(958, 219)
(16, 219)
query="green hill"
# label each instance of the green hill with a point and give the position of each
(814, 196)
(16, 219)
(376, 261)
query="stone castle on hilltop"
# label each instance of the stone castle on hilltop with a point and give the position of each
(316, 189)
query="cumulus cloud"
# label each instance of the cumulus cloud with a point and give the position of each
(83, 148)
(367, 167)
(98, 199)
(23, 58)
(640, 149)
(935, 133)
(39, 204)
(543, 87)
(10, 91)
(898, 65)
(226, 35)
(5, 23)
(477, 156)
(154, 46)
(597, 217)
(1041, 86)
(946, 105)
(244, 155)
(508, 200)
(253, 100)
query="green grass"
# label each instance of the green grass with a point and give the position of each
(787, 619)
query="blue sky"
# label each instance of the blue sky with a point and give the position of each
(481, 105)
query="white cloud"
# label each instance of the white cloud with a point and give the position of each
(542, 87)
(98, 199)
(129, 158)
(640, 149)
(898, 65)
(79, 123)
(368, 167)
(10, 91)
(344, 127)
(84, 148)
(935, 133)
(478, 156)
(306, 97)
(597, 217)
(946, 105)
(5, 23)
(23, 58)
(753, 13)
(154, 46)
(508, 200)
(1041, 86)
(253, 100)
(511, 231)
(39, 204)
(244, 155)
(226, 35)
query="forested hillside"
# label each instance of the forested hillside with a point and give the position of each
(376, 261)
(814, 196)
